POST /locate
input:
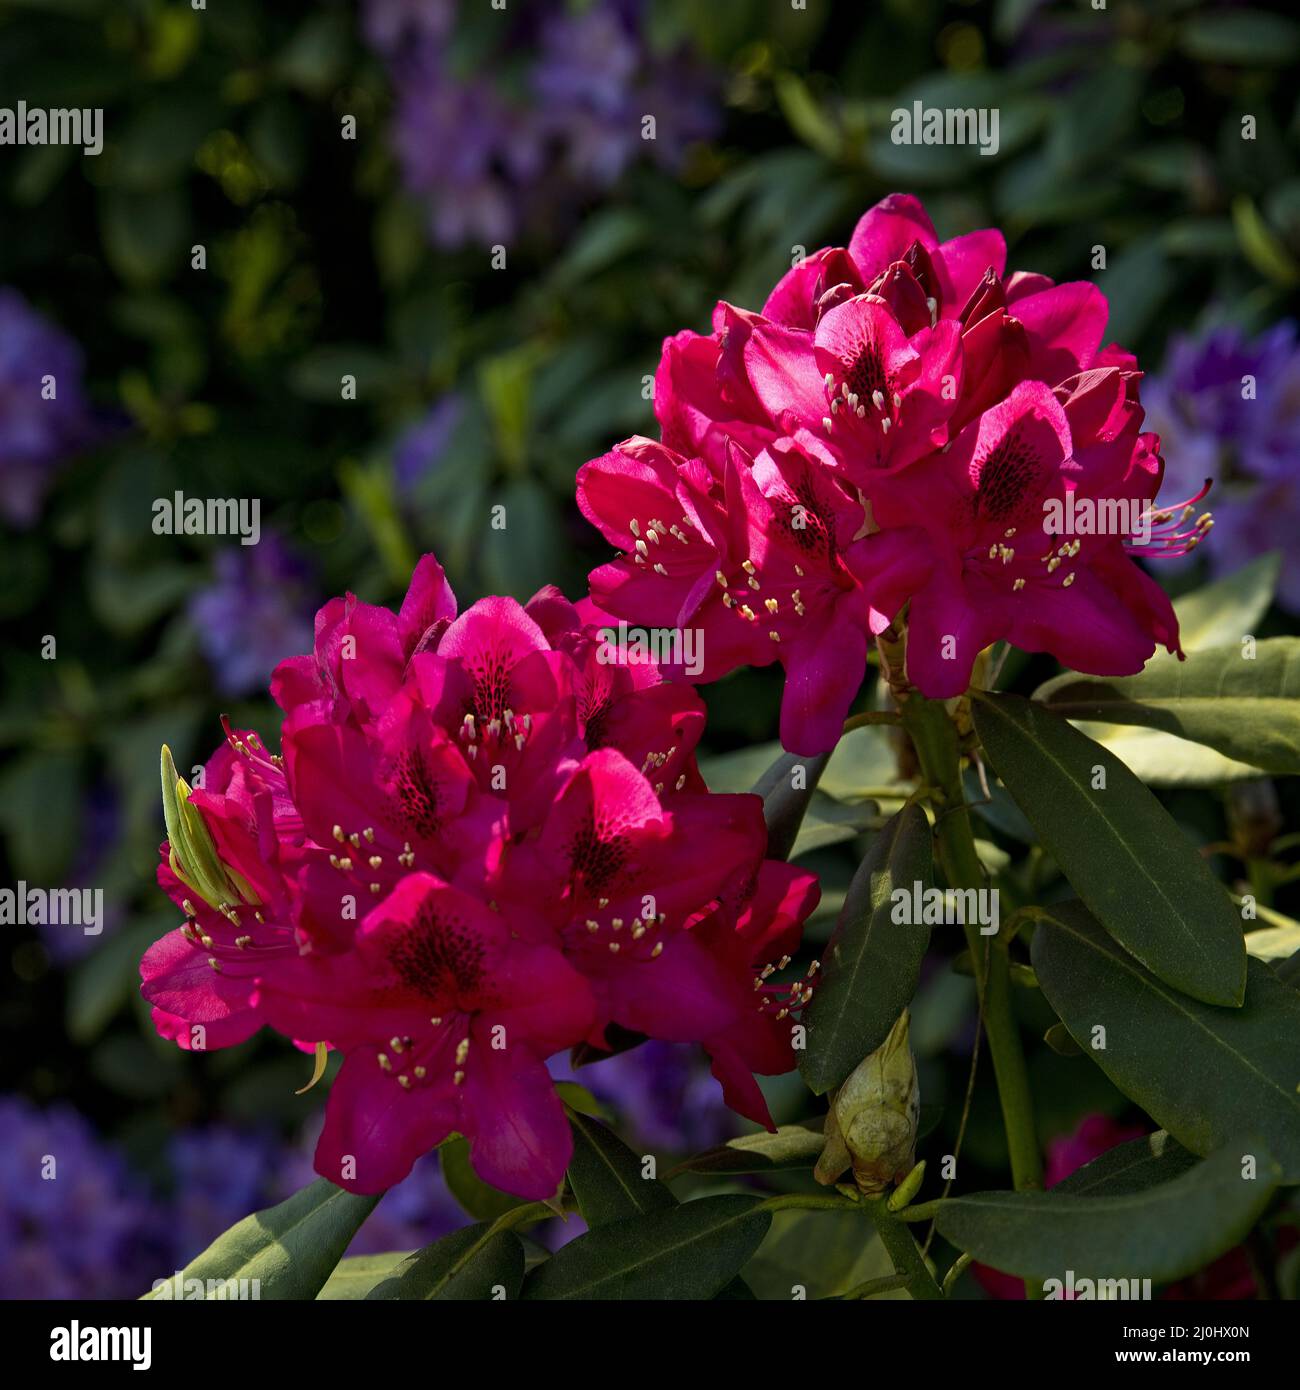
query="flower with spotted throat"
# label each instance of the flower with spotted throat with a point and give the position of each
(913, 408)
(482, 842)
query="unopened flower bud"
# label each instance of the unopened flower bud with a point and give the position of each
(193, 856)
(873, 1118)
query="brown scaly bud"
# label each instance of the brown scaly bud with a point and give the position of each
(873, 1118)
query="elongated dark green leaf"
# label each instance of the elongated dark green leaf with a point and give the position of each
(607, 1177)
(827, 822)
(1246, 709)
(1133, 1167)
(817, 1254)
(290, 1249)
(692, 1251)
(480, 1200)
(872, 964)
(1288, 970)
(1158, 1233)
(1121, 850)
(784, 804)
(465, 1266)
(792, 1146)
(354, 1277)
(1205, 1074)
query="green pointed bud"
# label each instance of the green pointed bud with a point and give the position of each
(172, 810)
(873, 1119)
(902, 1195)
(193, 858)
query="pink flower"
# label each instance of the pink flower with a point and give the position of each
(770, 562)
(999, 571)
(445, 1021)
(486, 840)
(925, 409)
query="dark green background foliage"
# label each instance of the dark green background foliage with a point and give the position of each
(1118, 128)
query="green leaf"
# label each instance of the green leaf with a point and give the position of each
(607, 1178)
(466, 1266)
(1245, 708)
(1123, 853)
(358, 1274)
(1205, 1074)
(144, 232)
(1260, 245)
(99, 985)
(1163, 760)
(1158, 1233)
(481, 1200)
(826, 822)
(579, 1098)
(784, 805)
(526, 552)
(871, 966)
(1059, 1040)
(692, 1251)
(291, 1249)
(608, 1181)
(1253, 38)
(792, 1146)
(806, 117)
(1278, 942)
(1133, 1167)
(1225, 611)
(826, 1253)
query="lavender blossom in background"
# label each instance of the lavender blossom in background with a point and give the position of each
(420, 448)
(220, 1175)
(661, 1092)
(257, 611)
(1227, 408)
(73, 1222)
(552, 111)
(38, 434)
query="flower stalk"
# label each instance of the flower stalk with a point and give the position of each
(934, 736)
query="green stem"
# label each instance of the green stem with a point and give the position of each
(922, 1211)
(935, 739)
(887, 1283)
(807, 1201)
(869, 717)
(902, 1249)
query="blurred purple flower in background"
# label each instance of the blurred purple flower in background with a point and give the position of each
(96, 1231)
(37, 435)
(220, 1176)
(73, 1222)
(419, 449)
(1227, 408)
(257, 611)
(661, 1092)
(539, 106)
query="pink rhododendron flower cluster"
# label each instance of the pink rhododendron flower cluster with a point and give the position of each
(482, 842)
(894, 427)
